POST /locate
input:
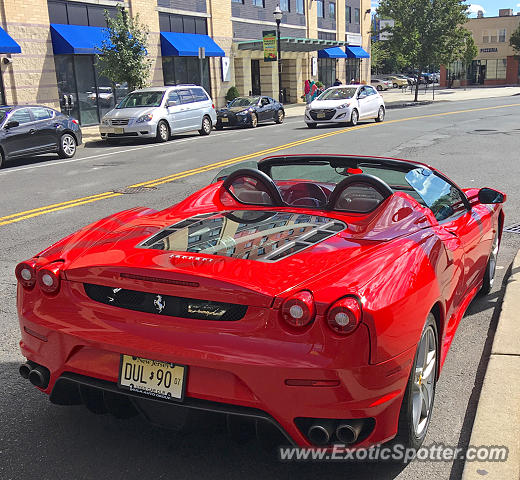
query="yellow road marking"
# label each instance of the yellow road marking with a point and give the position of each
(16, 217)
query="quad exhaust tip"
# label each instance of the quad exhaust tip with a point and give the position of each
(348, 433)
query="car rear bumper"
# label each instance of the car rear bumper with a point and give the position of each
(232, 371)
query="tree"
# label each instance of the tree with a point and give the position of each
(123, 54)
(426, 32)
(514, 41)
(378, 55)
(469, 53)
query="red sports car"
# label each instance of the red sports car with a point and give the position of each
(316, 293)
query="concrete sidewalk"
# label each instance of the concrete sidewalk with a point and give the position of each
(394, 98)
(497, 421)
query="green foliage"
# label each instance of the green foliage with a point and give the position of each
(383, 60)
(426, 32)
(319, 84)
(514, 41)
(123, 55)
(232, 93)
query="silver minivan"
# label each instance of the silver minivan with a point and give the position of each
(159, 112)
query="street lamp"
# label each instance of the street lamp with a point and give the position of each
(278, 17)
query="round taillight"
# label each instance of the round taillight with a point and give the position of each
(299, 310)
(49, 278)
(26, 273)
(344, 315)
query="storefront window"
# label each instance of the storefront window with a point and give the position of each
(327, 71)
(353, 69)
(180, 70)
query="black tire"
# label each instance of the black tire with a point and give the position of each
(280, 116)
(380, 114)
(113, 141)
(206, 126)
(408, 434)
(379, 88)
(312, 125)
(354, 117)
(254, 121)
(68, 146)
(219, 126)
(395, 85)
(489, 274)
(163, 132)
(2, 159)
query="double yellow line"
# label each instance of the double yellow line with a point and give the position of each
(36, 212)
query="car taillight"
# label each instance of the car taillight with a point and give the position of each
(49, 277)
(75, 122)
(344, 315)
(299, 310)
(213, 106)
(26, 273)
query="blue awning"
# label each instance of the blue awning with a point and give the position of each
(76, 39)
(187, 45)
(356, 52)
(7, 44)
(334, 52)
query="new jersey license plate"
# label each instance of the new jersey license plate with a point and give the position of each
(320, 115)
(152, 377)
(119, 130)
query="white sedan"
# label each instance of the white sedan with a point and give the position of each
(345, 104)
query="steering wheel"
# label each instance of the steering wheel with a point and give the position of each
(301, 192)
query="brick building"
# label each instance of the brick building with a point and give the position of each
(48, 48)
(496, 62)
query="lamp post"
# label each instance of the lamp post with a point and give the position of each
(278, 17)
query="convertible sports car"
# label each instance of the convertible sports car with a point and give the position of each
(319, 294)
(249, 112)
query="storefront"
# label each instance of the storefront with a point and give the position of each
(327, 60)
(354, 54)
(7, 45)
(84, 93)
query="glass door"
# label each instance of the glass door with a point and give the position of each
(87, 89)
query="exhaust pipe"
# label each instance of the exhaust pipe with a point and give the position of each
(25, 369)
(348, 433)
(321, 433)
(39, 376)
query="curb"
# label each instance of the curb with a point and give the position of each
(497, 421)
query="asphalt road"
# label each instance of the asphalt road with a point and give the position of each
(43, 199)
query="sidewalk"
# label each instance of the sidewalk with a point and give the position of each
(394, 98)
(497, 421)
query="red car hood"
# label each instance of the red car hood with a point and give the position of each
(118, 259)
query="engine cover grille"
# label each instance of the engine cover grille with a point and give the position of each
(165, 305)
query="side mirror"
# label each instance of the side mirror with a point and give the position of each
(489, 196)
(11, 124)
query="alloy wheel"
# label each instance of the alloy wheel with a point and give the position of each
(68, 145)
(254, 120)
(354, 118)
(163, 131)
(424, 381)
(493, 261)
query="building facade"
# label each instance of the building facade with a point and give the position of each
(496, 62)
(49, 48)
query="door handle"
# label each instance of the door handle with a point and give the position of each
(32, 131)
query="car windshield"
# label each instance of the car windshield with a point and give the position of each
(244, 101)
(142, 99)
(338, 94)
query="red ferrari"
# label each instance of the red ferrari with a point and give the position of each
(319, 294)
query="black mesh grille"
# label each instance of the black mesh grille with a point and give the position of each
(165, 305)
(329, 113)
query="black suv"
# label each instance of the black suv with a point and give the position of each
(27, 130)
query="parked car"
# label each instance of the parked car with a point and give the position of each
(397, 82)
(345, 104)
(381, 84)
(318, 294)
(250, 111)
(159, 112)
(27, 130)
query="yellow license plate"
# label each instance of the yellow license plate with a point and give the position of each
(152, 377)
(224, 120)
(119, 130)
(320, 115)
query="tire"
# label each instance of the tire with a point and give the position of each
(379, 88)
(163, 132)
(113, 141)
(68, 145)
(2, 159)
(420, 391)
(312, 125)
(354, 117)
(254, 121)
(380, 114)
(219, 126)
(206, 126)
(395, 85)
(489, 273)
(280, 116)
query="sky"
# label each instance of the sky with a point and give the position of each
(489, 7)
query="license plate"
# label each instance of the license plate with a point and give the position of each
(119, 130)
(320, 115)
(224, 120)
(152, 377)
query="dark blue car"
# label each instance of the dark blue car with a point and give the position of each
(249, 112)
(27, 130)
